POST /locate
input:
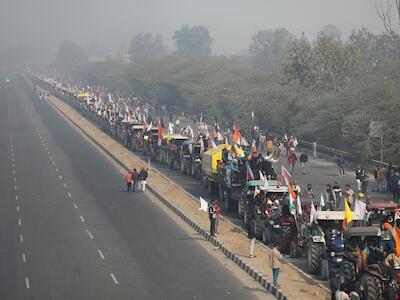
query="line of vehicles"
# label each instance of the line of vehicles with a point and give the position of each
(261, 200)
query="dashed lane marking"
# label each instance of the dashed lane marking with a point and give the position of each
(75, 206)
(56, 169)
(64, 185)
(15, 179)
(90, 234)
(82, 219)
(24, 257)
(53, 163)
(14, 172)
(69, 195)
(101, 254)
(21, 238)
(51, 157)
(19, 222)
(16, 197)
(17, 208)
(27, 283)
(114, 278)
(15, 187)
(59, 176)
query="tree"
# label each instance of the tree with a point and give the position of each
(268, 47)
(193, 41)
(70, 56)
(146, 47)
(298, 62)
(331, 31)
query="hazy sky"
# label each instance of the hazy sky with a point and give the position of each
(231, 22)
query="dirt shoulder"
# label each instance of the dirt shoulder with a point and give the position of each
(293, 284)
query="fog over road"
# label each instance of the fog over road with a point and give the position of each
(69, 231)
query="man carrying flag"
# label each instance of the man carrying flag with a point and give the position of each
(236, 133)
(160, 130)
(292, 193)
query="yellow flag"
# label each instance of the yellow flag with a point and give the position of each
(348, 215)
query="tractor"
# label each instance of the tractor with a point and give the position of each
(370, 275)
(325, 244)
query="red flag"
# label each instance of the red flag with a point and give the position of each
(396, 237)
(236, 133)
(160, 129)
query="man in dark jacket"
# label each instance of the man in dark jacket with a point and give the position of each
(143, 178)
(135, 179)
(212, 215)
(303, 161)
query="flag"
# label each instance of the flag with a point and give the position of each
(170, 128)
(253, 146)
(213, 144)
(249, 173)
(322, 203)
(203, 204)
(360, 209)
(348, 215)
(160, 130)
(252, 114)
(256, 191)
(396, 237)
(292, 194)
(313, 212)
(295, 142)
(286, 137)
(236, 133)
(299, 208)
(261, 176)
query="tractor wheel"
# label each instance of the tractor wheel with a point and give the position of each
(240, 213)
(348, 271)
(293, 250)
(373, 286)
(266, 236)
(245, 216)
(314, 258)
(324, 270)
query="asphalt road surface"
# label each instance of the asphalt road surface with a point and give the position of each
(68, 230)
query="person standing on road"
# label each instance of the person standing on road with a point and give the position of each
(275, 259)
(303, 161)
(340, 163)
(291, 161)
(359, 176)
(212, 215)
(382, 179)
(376, 179)
(128, 180)
(143, 178)
(135, 179)
(252, 236)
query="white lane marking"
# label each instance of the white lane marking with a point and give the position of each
(114, 278)
(90, 234)
(17, 208)
(51, 157)
(69, 195)
(45, 148)
(27, 283)
(15, 187)
(56, 169)
(24, 257)
(101, 254)
(59, 176)
(53, 163)
(16, 197)
(82, 219)
(75, 206)
(64, 185)
(21, 238)
(14, 172)
(15, 179)
(19, 222)
(12, 154)
(13, 165)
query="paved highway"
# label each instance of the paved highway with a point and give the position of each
(69, 231)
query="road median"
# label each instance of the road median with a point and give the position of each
(230, 240)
